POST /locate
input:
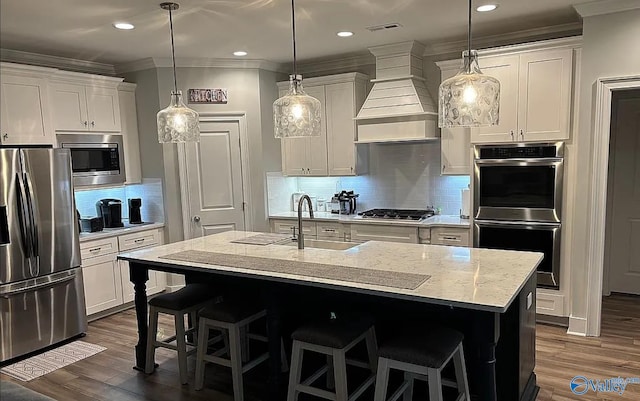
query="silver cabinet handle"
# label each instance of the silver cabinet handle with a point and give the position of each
(522, 134)
(95, 249)
(352, 169)
(5, 136)
(139, 240)
(308, 170)
(512, 135)
(196, 219)
(444, 167)
(302, 170)
(85, 123)
(93, 123)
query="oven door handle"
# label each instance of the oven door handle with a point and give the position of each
(515, 224)
(545, 161)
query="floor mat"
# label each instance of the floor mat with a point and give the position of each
(41, 364)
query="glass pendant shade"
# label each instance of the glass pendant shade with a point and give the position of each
(470, 98)
(296, 114)
(177, 122)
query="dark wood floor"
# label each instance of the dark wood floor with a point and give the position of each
(560, 357)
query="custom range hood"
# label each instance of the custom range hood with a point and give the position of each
(399, 107)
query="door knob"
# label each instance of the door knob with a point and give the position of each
(5, 136)
(196, 219)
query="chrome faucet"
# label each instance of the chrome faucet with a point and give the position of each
(300, 203)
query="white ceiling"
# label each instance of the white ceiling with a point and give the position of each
(83, 29)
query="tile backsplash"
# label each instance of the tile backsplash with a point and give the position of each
(403, 176)
(150, 191)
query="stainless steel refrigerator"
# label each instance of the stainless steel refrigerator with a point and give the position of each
(41, 289)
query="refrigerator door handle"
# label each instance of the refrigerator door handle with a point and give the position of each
(39, 284)
(33, 215)
(25, 236)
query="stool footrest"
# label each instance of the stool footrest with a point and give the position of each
(316, 391)
(361, 389)
(318, 374)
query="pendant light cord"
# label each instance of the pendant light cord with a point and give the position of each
(293, 29)
(469, 40)
(173, 54)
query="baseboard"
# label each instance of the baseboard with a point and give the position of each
(561, 321)
(577, 326)
(174, 288)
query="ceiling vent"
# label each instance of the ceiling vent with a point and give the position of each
(384, 27)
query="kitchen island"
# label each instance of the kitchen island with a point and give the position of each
(489, 295)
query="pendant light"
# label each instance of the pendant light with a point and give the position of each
(296, 114)
(470, 98)
(177, 122)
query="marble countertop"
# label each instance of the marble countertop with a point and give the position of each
(433, 221)
(472, 278)
(114, 232)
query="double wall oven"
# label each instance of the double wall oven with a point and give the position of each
(518, 202)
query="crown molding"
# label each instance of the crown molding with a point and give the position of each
(63, 63)
(527, 35)
(192, 62)
(605, 7)
(330, 79)
(336, 63)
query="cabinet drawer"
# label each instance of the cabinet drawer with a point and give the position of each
(450, 236)
(286, 227)
(139, 240)
(93, 249)
(330, 230)
(425, 235)
(371, 232)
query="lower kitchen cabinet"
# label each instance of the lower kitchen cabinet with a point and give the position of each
(287, 226)
(450, 236)
(106, 280)
(374, 232)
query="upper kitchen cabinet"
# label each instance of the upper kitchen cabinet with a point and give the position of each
(83, 102)
(24, 105)
(129, 120)
(334, 153)
(535, 96)
(455, 149)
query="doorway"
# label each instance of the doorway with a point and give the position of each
(622, 235)
(212, 178)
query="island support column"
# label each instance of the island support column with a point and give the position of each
(139, 275)
(486, 332)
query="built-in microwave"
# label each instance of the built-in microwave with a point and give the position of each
(96, 159)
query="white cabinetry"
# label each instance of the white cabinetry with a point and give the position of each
(334, 153)
(106, 280)
(287, 226)
(83, 102)
(450, 236)
(375, 232)
(129, 121)
(535, 96)
(24, 105)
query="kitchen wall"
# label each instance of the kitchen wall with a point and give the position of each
(150, 191)
(403, 176)
(609, 49)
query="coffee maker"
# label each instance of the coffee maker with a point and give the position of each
(110, 210)
(134, 211)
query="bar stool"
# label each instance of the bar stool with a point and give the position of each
(186, 301)
(233, 319)
(422, 356)
(333, 338)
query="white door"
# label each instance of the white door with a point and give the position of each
(103, 109)
(69, 104)
(317, 145)
(341, 128)
(624, 206)
(213, 172)
(24, 117)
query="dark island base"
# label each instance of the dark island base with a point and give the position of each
(499, 347)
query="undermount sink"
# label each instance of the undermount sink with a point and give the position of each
(314, 243)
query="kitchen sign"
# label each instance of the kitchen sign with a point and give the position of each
(214, 96)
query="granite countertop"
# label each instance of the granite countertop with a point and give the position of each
(433, 221)
(472, 278)
(114, 232)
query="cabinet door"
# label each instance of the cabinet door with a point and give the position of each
(450, 236)
(455, 150)
(102, 283)
(69, 104)
(374, 232)
(156, 283)
(294, 156)
(545, 95)
(287, 226)
(103, 109)
(317, 145)
(505, 70)
(24, 115)
(129, 120)
(341, 128)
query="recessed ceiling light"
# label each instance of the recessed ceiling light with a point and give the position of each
(486, 7)
(344, 34)
(123, 25)
(240, 53)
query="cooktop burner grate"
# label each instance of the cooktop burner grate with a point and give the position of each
(397, 214)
